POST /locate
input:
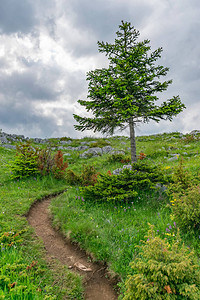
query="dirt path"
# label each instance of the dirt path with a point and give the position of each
(97, 287)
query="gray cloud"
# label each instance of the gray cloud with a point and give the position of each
(16, 16)
(47, 46)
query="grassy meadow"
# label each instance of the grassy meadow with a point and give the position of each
(109, 231)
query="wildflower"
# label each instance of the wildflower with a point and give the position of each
(175, 224)
(170, 227)
(167, 229)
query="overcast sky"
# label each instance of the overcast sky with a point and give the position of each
(48, 46)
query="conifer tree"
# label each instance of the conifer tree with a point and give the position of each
(125, 92)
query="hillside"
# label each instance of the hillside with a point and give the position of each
(102, 208)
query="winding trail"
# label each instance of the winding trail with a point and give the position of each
(97, 287)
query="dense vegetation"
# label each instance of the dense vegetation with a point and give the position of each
(151, 223)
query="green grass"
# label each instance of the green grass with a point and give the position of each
(109, 232)
(18, 247)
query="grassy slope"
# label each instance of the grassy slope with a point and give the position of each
(16, 280)
(109, 233)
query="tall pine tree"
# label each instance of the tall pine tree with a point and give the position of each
(125, 93)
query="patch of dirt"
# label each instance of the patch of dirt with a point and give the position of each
(97, 286)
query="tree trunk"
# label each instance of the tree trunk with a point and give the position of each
(132, 139)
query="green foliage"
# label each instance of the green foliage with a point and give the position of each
(186, 209)
(125, 186)
(88, 176)
(190, 138)
(25, 163)
(100, 143)
(181, 179)
(30, 161)
(119, 157)
(125, 93)
(163, 271)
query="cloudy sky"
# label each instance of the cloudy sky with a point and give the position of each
(48, 46)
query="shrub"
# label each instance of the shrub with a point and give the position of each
(186, 209)
(119, 157)
(25, 163)
(72, 178)
(59, 166)
(87, 177)
(190, 138)
(30, 161)
(45, 160)
(163, 271)
(125, 186)
(181, 179)
(99, 143)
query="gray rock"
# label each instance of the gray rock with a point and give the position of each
(65, 142)
(107, 149)
(80, 148)
(174, 154)
(9, 146)
(3, 140)
(96, 151)
(194, 132)
(173, 158)
(117, 152)
(119, 170)
(67, 154)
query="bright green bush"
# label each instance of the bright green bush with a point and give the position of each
(25, 163)
(163, 271)
(181, 179)
(186, 209)
(30, 161)
(125, 186)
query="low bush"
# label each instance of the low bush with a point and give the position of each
(99, 143)
(163, 271)
(186, 209)
(26, 161)
(119, 157)
(87, 177)
(30, 161)
(125, 186)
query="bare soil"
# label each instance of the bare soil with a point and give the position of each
(97, 286)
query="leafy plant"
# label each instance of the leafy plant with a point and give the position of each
(186, 209)
(119, 157)
(59, 166)
(30, 161)
(124, 187)
(99, 143)
(181, 179)
(163, 271)
(88, 176)
(26, 161)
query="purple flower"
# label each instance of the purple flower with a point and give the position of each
(170, 227)
(157, 230)
(147, 240)
(124, 209)
(167, 229)
(175, 224)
